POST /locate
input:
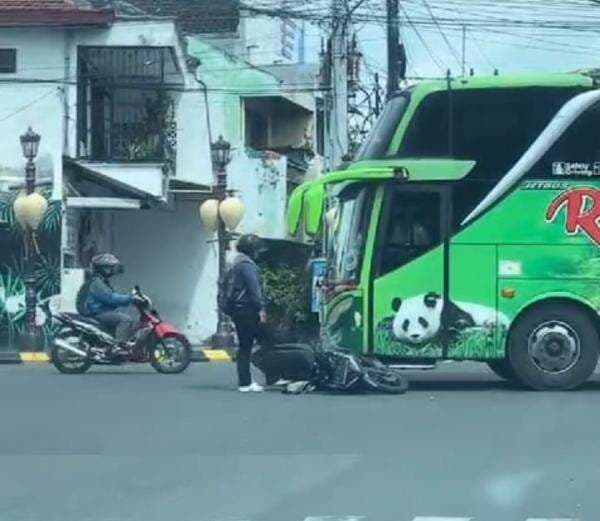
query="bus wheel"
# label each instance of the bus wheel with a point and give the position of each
(554, 346)
(503, 369)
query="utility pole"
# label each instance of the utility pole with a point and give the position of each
(393, 46)
(338, 127)
(464, 49)
(377, 96)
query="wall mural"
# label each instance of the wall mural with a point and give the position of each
(12, 287)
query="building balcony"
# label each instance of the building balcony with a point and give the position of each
(125, 106)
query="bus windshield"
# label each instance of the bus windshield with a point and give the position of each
(347, 220)
(378, 142)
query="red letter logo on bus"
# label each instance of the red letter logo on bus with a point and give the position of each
(582, 207)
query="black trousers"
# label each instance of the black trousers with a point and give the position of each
(249, 329)
(119, 322)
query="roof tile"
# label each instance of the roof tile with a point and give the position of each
(36, 4)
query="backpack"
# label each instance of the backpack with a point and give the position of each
(82, 294)
(82, 297)
(226, 297)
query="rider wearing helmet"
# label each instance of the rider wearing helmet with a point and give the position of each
(103, 303)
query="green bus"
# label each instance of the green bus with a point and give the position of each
(468, 228)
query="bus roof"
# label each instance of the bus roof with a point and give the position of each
(575, 79)
(308, 198)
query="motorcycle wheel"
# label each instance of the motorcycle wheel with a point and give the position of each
(171, 355)
(385, 380)
(66, 361)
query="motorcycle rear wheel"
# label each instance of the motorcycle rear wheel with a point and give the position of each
(171, 354)
(66, 361)
(385, 380)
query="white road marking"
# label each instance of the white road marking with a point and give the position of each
(553, 519)
(421, 518)
(335, 518)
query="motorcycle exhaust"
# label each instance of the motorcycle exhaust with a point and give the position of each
(418, 367)
(69, 347)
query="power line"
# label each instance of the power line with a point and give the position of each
(452, 50)
(30, 104)
(427, 48)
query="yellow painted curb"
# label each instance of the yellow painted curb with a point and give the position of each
(34, 357)
(217, 355)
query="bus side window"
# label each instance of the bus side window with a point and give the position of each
(576, 152)
(412, 228)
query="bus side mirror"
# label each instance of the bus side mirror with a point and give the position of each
(294, 214)
(314, 201)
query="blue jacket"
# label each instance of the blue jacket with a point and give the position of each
(101, 297)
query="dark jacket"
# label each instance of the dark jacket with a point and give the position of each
(247, 283)
(102, 297)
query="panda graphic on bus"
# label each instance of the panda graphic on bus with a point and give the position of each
(422, 324)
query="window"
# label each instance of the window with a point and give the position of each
(493, 127)
(350, 214)
(8, 61)
(576, 152)
(412, 227)
(376, 145)
(257, 127)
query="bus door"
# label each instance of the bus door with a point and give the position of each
(409, 272)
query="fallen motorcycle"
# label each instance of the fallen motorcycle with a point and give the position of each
(82, 342)
(327, 369)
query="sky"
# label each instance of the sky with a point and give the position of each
(493, 38)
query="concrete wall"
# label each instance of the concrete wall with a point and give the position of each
(228, 79)
(261, 40)
(166, 253)
(261, 183)
(42, 94)
(33, 96)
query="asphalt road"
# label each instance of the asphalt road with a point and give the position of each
(128, 445)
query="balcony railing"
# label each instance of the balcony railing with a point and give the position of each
(124, 110)
(131, 132)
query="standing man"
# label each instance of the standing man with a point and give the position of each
(248, 313)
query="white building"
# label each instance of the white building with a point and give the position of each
(124, 146)
(121, 108)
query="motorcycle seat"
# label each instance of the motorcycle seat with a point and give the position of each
(82, 318)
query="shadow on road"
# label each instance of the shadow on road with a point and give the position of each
(112, 372)
(462, 385)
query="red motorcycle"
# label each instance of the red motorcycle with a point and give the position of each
(82, 342)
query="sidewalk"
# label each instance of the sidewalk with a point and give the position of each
(199, 354)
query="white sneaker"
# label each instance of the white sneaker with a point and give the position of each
(252, 388)
(282, 381)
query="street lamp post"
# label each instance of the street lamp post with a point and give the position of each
(222, 214)
(221, 155)
(29, 211)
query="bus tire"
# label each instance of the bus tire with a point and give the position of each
(502, 369)
(553, 347)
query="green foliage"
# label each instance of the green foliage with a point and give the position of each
(51, 223)
(471, 343)
(477, 343)
(12, 304)
(47, 274)
(286, 293)
(7, 215)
